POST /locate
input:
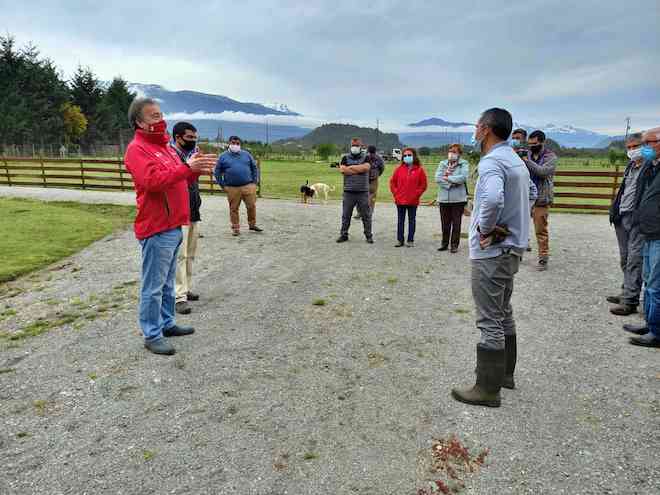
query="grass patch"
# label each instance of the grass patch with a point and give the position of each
(51, 231)
(148, 455)
(23, 434)
(318, 302)
(7, 370)
(392, 280)
(40, 407)
(310, 456)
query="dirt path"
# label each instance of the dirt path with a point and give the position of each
(276, 395)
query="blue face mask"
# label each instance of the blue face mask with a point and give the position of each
(515, 143)
(648, 153)
(476, 143)
(408, 160)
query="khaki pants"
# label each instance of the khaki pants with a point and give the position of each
(184, 260)
(540, 216)
(247, 194)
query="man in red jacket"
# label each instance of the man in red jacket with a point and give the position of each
(161, 187)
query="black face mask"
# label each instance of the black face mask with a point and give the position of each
(188, 145)
(536, 149)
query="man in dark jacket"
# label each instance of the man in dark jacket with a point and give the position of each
(376, 170)
(185, 145)
(648, 216)
(627, 231)
(355, 168)
(541, 163)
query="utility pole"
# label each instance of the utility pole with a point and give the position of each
(377, 134)
(627, 126)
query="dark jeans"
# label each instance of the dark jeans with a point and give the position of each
(350, 201)
(651, 272)
(412, 221)
(451, 215)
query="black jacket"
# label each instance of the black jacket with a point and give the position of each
(615, 214)
(647, 211)
(193, 190)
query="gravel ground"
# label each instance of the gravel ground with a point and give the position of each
(276, 395)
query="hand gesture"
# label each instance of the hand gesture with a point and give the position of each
(202, 163)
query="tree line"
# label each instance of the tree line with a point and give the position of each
(39, 106)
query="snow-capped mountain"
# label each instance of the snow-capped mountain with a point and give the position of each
(194, 101)
(567, 135)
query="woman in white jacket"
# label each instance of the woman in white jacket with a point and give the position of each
(452, 176)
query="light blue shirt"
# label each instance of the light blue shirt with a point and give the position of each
(501, 198)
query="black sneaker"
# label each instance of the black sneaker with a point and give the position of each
(254, 228)
(177, 331)
(636, 329)
(615, 299)
(182, 308)
(443, 248)
(370, 240)
(191, 296)
(342, 238)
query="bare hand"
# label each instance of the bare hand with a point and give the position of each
(202, 163)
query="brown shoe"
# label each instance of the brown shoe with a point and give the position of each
(235, 233)
(182, 308)
(623, 310)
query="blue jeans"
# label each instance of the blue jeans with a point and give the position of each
(651, 276)
(157, 294)
(401, 217)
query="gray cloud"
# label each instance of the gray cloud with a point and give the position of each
(590, 63)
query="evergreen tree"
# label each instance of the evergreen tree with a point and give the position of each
(114, 111)
(87, 93)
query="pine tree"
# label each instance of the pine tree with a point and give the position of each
(87, 93)
(114, 109)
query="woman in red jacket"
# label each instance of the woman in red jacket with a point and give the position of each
(408, 183)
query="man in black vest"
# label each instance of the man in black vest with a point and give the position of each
(355, 168)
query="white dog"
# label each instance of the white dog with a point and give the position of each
(319, 188)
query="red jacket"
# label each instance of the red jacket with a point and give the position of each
(161, 184)
(408, 184)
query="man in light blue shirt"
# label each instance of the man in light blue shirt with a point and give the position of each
(499, 233)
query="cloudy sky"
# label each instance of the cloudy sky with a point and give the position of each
(588, 63)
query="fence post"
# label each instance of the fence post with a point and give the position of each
(121, 174)
(7, 172)
(82, 173)
(43, 172)
(259, 182)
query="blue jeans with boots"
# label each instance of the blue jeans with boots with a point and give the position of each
(651, 275)
(157, 291)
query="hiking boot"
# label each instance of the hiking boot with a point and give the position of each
(399, 244)
(443, 248)
(182, 308)
(177, 331)
(160, 346)
(454, 250)
(636, 329)
(542, 266)
(511, 352)
(410, 244)
(191, 296)
(490, 374)
(615, 299)
(370, 240)
(342, 238)
(623, 310)
(254, 228)
(646, 340)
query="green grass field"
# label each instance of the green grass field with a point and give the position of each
(37, 233)
(283, 178)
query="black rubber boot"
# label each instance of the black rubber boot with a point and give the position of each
(511, 349)
(490, 373)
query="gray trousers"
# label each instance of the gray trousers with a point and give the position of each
(350, 201)
(492, 287)
(630, 248)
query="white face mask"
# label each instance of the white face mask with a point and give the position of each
(452, 156)
(234, 148)
(635, 153)
(355, 150)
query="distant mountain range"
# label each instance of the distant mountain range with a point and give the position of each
(566, 135)
(341, 135)
(435, 121)
(194, 101)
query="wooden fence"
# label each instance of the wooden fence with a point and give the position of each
(87, 173)
(572, 187)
